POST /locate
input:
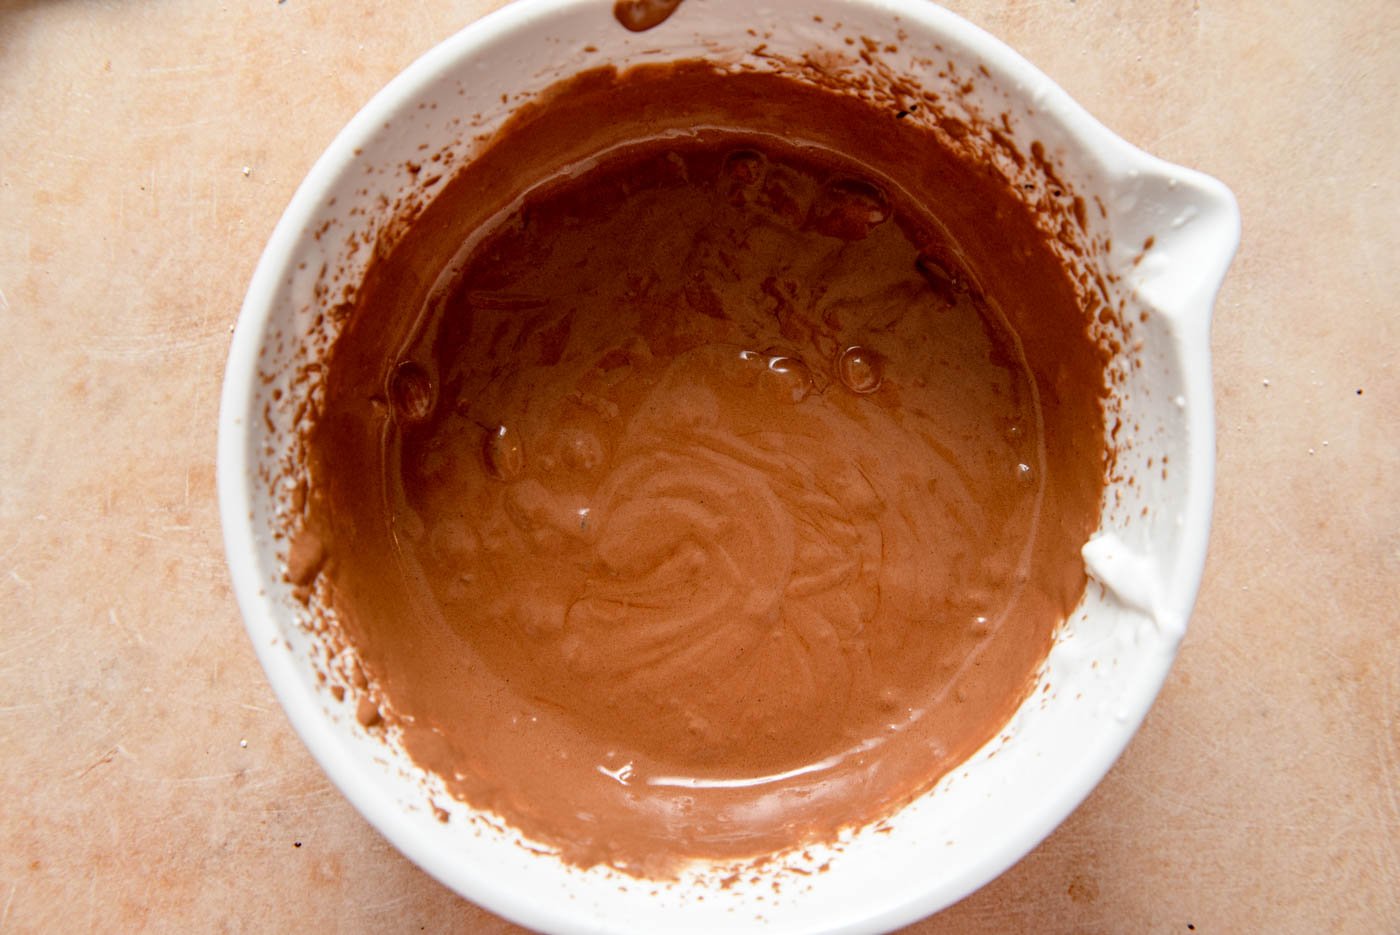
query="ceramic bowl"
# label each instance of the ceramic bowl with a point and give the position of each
(1145, 562)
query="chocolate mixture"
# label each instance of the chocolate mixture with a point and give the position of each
(692, 488)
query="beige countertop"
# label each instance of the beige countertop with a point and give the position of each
(147, 149)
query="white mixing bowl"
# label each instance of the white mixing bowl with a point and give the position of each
(1146, 560)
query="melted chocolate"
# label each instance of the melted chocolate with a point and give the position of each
(691, 489)
(641, 15)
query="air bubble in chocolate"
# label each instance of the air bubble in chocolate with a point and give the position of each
(411, 391)
(742, 175)
(503, 453)
(793, 377)
(860, 370)
(849, 209)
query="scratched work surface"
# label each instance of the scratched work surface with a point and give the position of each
(146, 150)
